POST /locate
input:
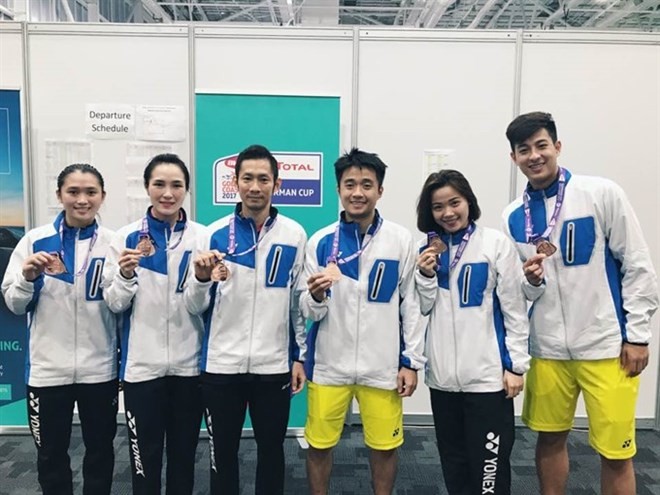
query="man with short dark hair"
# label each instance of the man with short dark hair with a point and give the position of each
(590, 278)
(366, 340)
(245, 285)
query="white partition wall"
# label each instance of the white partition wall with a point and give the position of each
(603, 90)
(277, 61)
(422, 90)
(11, 56)
(72, 66)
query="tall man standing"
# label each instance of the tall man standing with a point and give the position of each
(245, 285)
(588, 273)
(367, 339)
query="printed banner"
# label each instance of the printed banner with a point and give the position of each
(303, 134)
(13, 334)
(300, 174)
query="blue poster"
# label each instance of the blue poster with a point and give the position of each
(13, 338)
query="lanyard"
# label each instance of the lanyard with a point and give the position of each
(461, 247)
(231, 248)
(335, 245)
(89, 249)
(144, 232)
(529, 226)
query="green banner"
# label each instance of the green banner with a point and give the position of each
(13, 329)
(303, 134)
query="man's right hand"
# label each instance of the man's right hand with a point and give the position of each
(317, 284)
(533, 269)
(205, 262)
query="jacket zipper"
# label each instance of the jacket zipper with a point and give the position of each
(453, 315)
(167, 304)
(359, 307)
(255, 238)
(76, 291)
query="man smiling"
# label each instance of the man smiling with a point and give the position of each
(590, 278)
(366, 341)
(244, 284)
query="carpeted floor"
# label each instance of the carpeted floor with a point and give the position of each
(419, 468)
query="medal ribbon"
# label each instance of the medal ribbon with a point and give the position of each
(529, 226)
(231, 248)
(89, 250)
(461, 246)
(335, 245)
(144, 231)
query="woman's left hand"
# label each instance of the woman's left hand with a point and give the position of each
(427, 262)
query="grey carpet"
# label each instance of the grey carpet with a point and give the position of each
(419, 468)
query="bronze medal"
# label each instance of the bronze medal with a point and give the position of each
(543, 246)
(220, 272)
(437, 245)
(145, 246)
(332, 271)
(55, 267)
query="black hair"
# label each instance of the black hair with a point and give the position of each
(256, 152)
(360, 159)
(166, 159)
(526, 125)
(446, 177)
(85, 168)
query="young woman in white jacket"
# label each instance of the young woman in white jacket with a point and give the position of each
(476, 341)
(54, 275)
(160, 341)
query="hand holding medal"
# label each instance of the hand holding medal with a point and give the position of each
(533, 269)
(146, 246)
(36, 264)
(319, 283)
(220, 272)
(435, 243)
(56, 265)
(544, 246)
(129, 259)
(428, 260)
(210, 265)
(332, 271)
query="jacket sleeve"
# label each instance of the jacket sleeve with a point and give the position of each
(639, 285)
(531, 292)
(298, 337)
(196, 294)
(427, 290)
(20, 294)
(310, 308)
(413, 325)
(514, 307)
(118, 292)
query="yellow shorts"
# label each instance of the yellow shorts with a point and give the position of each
(381, 412)
(551, 392)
